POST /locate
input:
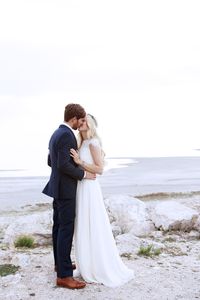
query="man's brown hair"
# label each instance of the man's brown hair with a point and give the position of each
(74, 110)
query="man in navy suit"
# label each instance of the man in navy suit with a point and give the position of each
(62, 187)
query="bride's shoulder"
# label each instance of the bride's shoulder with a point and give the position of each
(94, 142)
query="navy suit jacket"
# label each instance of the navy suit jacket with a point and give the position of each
(64, 172)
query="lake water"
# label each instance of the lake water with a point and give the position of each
(132, 176)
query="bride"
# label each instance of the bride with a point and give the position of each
(96, 254)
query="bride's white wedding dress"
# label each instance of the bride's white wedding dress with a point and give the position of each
(96, 254)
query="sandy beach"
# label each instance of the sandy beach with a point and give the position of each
(173, 274)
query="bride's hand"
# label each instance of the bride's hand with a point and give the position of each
(75, 156)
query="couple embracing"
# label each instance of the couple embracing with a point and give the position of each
(78, 206)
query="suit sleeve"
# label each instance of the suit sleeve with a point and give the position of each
(65, 162)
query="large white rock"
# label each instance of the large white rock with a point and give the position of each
(33, 224)
(129, 214)
(171, 215)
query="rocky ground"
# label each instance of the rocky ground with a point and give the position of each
(172, 274)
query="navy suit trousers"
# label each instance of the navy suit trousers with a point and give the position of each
(63, 229)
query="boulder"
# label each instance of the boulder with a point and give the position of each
(129, 213)
(171, 215)
(38, 224)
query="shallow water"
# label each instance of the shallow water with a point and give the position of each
(153, 178)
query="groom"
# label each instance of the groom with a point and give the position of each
(62, 187)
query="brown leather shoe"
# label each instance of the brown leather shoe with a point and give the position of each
(70, 283)
(73, 267)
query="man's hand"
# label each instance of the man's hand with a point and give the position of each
(90, 176)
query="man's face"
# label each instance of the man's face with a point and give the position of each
(84, 126)
(79, 122)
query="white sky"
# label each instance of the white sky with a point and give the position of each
(135, 65)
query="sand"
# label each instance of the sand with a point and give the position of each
(174, 274)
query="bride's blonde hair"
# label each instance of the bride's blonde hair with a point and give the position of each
(92, 131)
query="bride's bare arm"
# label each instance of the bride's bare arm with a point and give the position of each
(97, 166)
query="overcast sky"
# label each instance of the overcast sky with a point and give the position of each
(135, 65)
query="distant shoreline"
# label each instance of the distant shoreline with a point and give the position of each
(152, 178)
(119, 162)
